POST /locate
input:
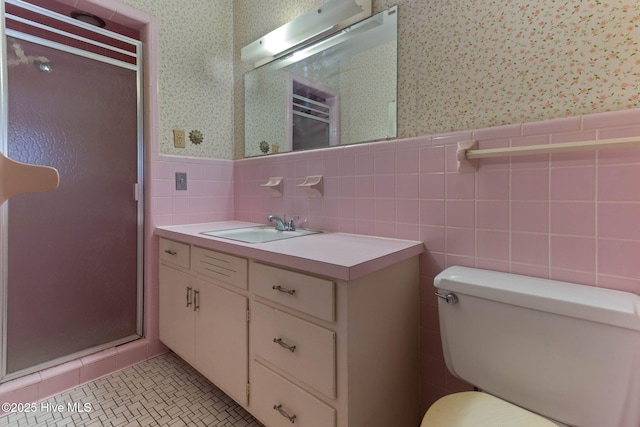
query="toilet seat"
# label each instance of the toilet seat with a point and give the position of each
(477, 409)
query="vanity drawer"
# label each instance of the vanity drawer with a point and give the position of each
(270, 394)
(174, 253)
(297, 347)
(308, 294)
(220, 266)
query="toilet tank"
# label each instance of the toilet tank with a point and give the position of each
(565, 351)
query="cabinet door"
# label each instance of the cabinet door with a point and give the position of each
(177, 321)
(222, 339)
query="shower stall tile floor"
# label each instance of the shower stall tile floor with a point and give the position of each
(163, 391)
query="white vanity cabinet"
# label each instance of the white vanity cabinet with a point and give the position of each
(294, 339)
(202, 319)
(331, 352)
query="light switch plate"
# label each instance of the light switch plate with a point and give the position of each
(181, 181)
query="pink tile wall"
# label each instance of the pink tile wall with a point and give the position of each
(572, 217)
(209, 197)
(209, 194)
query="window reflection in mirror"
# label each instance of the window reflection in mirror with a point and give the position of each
(341, 90)
(313, 115)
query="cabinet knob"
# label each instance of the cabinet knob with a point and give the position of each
(170, 252)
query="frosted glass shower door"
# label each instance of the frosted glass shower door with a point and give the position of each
(72, 258)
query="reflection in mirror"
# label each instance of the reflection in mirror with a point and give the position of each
(340, 90)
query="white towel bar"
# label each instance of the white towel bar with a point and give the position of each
(467, 154)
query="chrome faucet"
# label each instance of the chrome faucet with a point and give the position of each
(283, 224)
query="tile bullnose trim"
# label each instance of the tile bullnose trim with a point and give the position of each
(58, 379)
(609, 119)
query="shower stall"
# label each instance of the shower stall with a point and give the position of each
(70, 258)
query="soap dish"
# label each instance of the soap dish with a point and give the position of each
(273, 186)
(312, 185)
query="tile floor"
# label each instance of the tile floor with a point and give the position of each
(163, 391)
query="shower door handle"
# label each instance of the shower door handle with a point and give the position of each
(18, 178)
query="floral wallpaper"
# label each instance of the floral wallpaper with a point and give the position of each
(480, 63)
(368, 97)
(486, 63)
(265, 100)
(461, 64)
(196, 74)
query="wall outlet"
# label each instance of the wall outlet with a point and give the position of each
(179, 140)
(181, 181)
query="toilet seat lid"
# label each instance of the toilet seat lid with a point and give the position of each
(476, 409)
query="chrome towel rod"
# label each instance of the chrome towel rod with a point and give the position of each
(467, 154)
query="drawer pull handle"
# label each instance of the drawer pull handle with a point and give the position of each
(170, 252)
(285, 290)
(283, 344)
(196, 300)
(189, 302)
(282, 412)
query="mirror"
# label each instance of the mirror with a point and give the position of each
(340, 90)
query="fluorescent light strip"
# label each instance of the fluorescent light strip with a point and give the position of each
(332, 16)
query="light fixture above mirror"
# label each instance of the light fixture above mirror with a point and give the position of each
(307, 28)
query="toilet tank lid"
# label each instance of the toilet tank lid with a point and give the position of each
(611, 307)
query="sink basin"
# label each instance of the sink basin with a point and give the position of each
(259, 234)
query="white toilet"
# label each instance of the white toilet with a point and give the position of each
(544, 353)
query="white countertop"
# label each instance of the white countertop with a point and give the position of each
(339, 255)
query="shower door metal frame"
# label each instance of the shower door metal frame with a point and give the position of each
(137, 188)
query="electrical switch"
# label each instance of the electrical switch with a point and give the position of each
(181, 180)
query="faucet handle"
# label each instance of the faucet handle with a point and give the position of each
(291, 225)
